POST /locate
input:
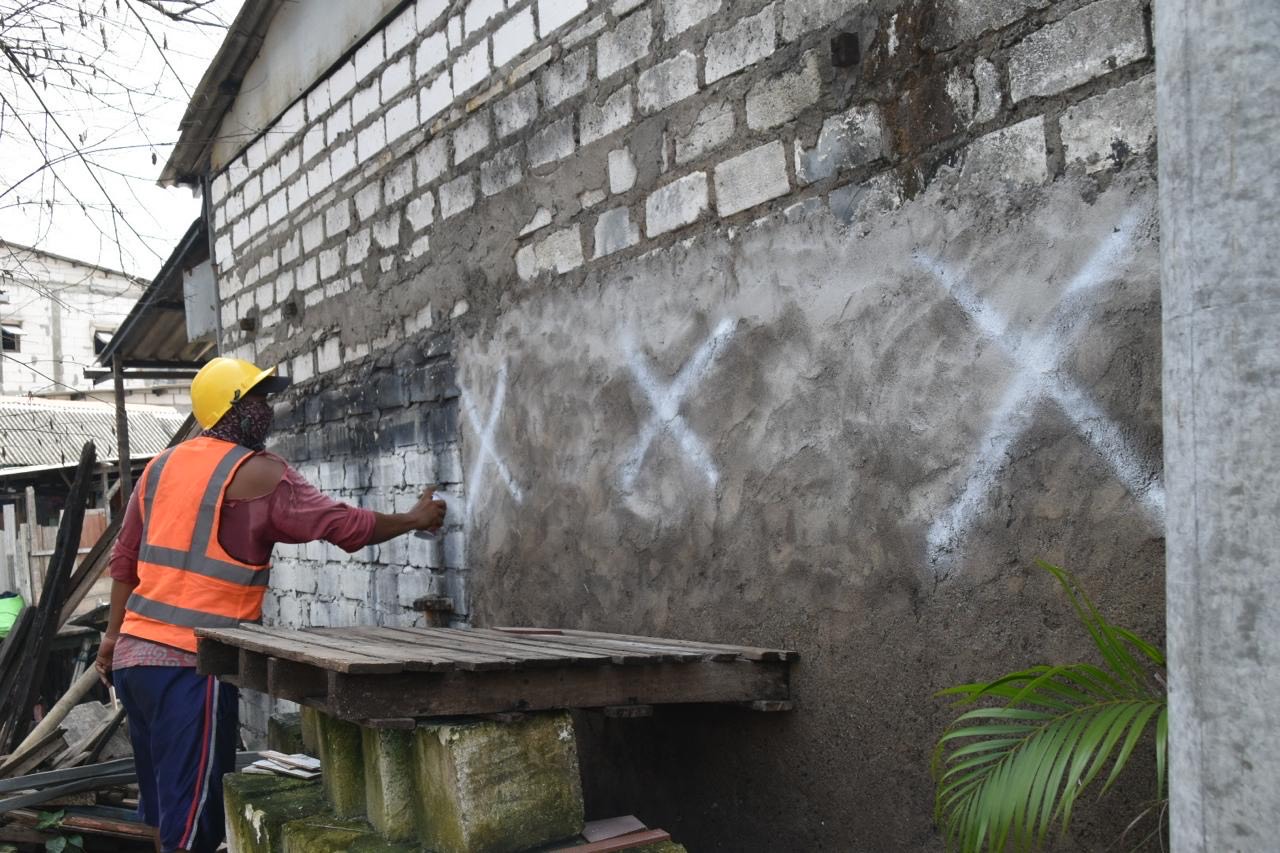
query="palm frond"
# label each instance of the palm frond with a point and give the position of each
(1007, 773)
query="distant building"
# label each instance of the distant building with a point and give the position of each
(57, 314)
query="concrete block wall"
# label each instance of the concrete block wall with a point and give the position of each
(475, 238)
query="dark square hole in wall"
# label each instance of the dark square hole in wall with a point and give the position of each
(845, 50)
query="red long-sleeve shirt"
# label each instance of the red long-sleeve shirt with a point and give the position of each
(294, 512)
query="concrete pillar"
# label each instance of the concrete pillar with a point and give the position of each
(1218, 66)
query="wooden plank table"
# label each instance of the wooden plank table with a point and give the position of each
(390, 676)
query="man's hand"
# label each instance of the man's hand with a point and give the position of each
(106, 651)
(428, 513)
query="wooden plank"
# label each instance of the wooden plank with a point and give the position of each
(587, 652)
(295, 681)
(745, 652)
(429, 657)
(428, 694)
(423, 657)
(633, 650)
(628, 712)
(510, 657)
(527, 648)
(297, 646)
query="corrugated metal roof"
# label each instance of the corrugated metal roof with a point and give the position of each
(51, 432)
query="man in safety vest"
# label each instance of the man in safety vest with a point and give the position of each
(194, 551)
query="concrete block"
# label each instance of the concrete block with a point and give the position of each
(471, 68)
(399, 181)
(516, 110)
(986, 79)
(778, 100)
(565, 79)
(1012, 155)
(342, 762)
(338, 123)
(502, 172)
(747, 42)
(677, 204)
(319, 177)
(513, 38)
(337, 219)
(622, 170)
(846, 140)
(368, 200)
(434, 97)
(400, 32)
(600, 120)
(553, 142)
(470, 138)
(431, 53)
(1105, 131)
(342, 81)
(364, 103)
(457, 195)
(615, 231)
(713, 128)
(963, 20)
(553, 14)
(591, 198)
(560, 252)
(389, 782)
(801, 16)
(624, 45)
(477, 13)
(1088, 43)
(680, 15)
(401, 119)
(342, 160)
(752, 178)
(328, 834)
(369, 56)
(421, 211)
(429, 12)
(395, 78)
(284, 733)
(591, 28)
(258, 807)
(432, 160)
(667, 82)
(490, 787)
(453, 29)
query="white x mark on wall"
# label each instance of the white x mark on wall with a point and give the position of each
(666, 401)
(1037, 360)
(485, 451)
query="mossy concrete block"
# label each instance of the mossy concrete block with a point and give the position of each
(488, 787)
(258, 806)
(329, 834)
(284, 733)
(310, 731)
(342, 765)
(390, 795)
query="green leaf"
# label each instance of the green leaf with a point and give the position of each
(50, 820)
(57, 844)
(1006, 773)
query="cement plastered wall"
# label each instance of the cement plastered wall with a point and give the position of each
(710, 335)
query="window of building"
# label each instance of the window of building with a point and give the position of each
(12, 337)
(101, 337)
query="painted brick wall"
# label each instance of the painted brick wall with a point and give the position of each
(481, 187)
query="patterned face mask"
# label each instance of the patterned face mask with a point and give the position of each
(247, 423)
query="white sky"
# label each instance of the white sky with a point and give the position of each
(126, 127)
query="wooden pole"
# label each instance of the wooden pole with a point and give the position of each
(122, 433)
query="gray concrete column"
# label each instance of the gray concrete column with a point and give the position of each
(1218, 107)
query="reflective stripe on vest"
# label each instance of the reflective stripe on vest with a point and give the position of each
(175, 615)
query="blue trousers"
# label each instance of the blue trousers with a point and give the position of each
(183, 727)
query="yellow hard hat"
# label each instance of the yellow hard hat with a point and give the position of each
(223, 381)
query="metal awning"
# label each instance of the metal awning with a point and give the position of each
(152, 341)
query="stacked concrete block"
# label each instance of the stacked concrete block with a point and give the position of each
(457, 786)
(259, 806)
(489, 787)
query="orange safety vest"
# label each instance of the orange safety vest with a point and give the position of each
(185, 578)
